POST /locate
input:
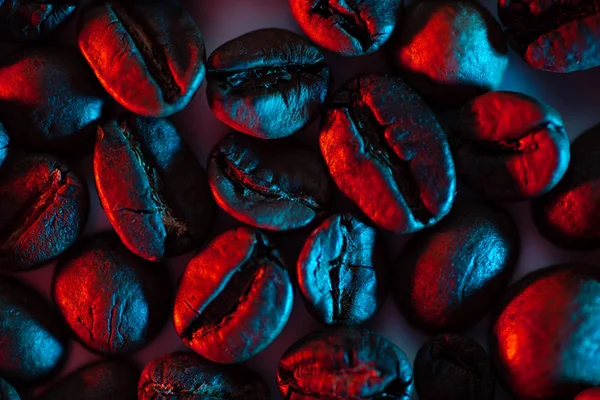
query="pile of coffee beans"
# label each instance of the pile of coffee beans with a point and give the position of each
(364, 168)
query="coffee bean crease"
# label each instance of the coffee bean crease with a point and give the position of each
(349, 20)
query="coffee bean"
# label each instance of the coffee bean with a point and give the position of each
(48, 100)
(449, 276)
(449, 51)
(557, 36)
(342, 271)
(152, 188)
(103, 380)
(349, 28)
(148, 55)
(4, 144)
(545, 330)
(569, 215)
(28, 20)
(187, 376)
(44, 210)
(344, 364)
(234, 298)
(268, 83)
(34, 341)
(274, 185)
(121, 301)
(453, 367)
(510, 146)
(590, 394)
(387, 153)
(7, 392)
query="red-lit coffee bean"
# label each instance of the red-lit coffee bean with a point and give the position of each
(510, 146)
(590, 394)
(449, 51)
(386, 151)
(44, 210)
(234, 298)
(148, 55)
(557, 36)
(545, 333)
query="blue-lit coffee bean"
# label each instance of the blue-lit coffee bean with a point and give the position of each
(185, 375)
(34, 341)
(103, 380)
(449, 276)
(268, 83)
(342, 271)
(7, 391)
(344, 364)
(4, 143)
(454, 367)
(114, 301)
(273, 185)
(49, 101)
(544, 334)
(152, 188)
(44, 205)
(28, 20)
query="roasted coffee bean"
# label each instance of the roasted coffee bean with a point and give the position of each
(510, 146)
(152, 188)
(342, 271)
(48, 100)
(27, 20)
(4, 143)
(453, 367)
(234, 298)
(34, 341)
(349, 28)
(114, 302)
(274, 185)
(268, 83)
(557, 36)
(7, 392)
(569, 215)
(545, 332)
(188, 376)
(449, 51)
(148, 55)
(344, 364)
(103, 380)
(590, 394)
(449, 276)
(44, 210)
(388, 154)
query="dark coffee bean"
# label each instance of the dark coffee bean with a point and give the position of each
(187, 376)
(387, 153)
(103, 380)
(510, 146)
(545, 334)
(449, 276)
(349, 28)
(569, 215)
(44, 210)
(114, 302)
(4, 144)
(7, 392)
(234, 298)
(348, 364)
(268, 83)
(27, 20)
(557, 36)
(34, 341)
(48, 101)
(342, 271)
(590, 394)
(148, 55)
(454, 367)
(152, 188)
(449, 51)
(274, 185)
